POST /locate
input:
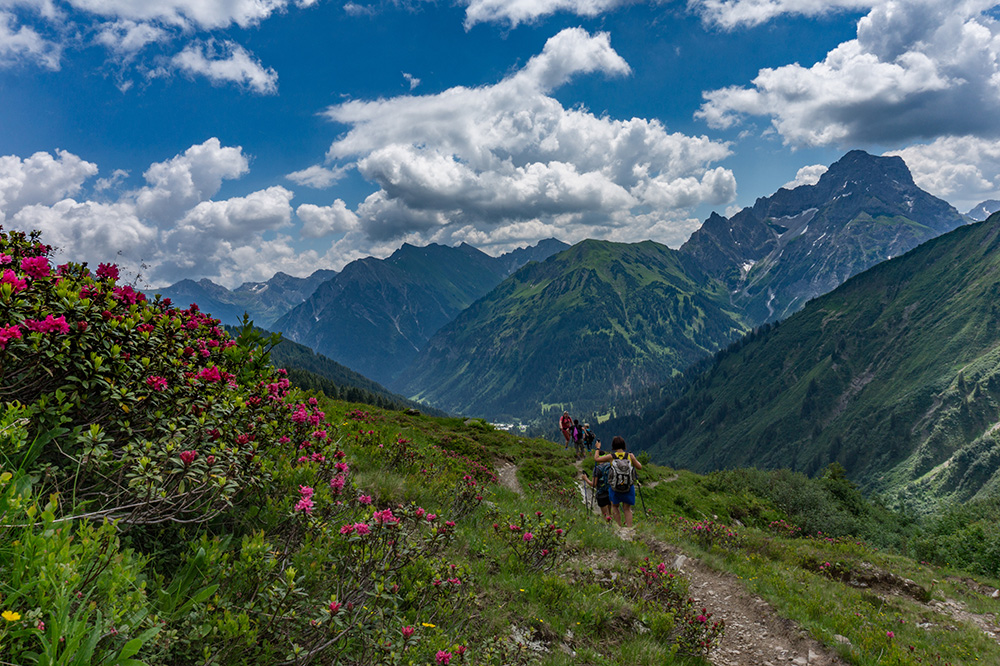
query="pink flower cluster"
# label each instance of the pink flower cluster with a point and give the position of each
(360, 529)
(305, 503)
(8, 333)
(35, 267)
(156, 383)
(48, 325)
(188, 457)
(107, 272)
(10, 277)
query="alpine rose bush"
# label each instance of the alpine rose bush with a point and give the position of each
(132, 388)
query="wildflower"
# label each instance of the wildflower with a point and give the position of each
(528, 536)
(428, 624)
(156, 383)
(210, 374)
(420, 512)
(306, 491)
(36, 267)
(40, 626)
(337, 484)
(10, 616)
(460, 650)
(48, 325)
(362, 528)
(407, 631)
(10, 277)
(5, 259)
(210, 460)
(107, 272)
(364, 499)
(8, 333)
(305, 505)
(187, 457)
(334, 607)
(431, 517)
(128, 295)
(443, 657)
(890, 635)
(702, 619)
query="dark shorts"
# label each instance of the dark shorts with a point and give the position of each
(623, 498)
(603, 500)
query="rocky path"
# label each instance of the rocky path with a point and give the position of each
(755, 634)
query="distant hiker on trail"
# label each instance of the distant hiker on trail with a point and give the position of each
(600, 485)
(621, 478)
(578, 438)
(588, 437)
(566, 424)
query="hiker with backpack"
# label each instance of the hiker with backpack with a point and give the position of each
(600, 485)
(588, 437)
(565, 425)
(578, 438)
(621, 478)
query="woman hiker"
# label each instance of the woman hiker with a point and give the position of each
(621, 478)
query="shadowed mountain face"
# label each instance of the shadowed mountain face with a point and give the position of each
(263, 301)
(801, 243)
(590, 324)
(378, 314)
(895, 375)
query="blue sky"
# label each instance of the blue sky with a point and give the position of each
(231, 139)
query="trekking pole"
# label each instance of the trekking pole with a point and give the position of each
(593, 491)
(642, 498)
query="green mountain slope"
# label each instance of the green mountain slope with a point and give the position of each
(589, 325)
(376, 314)
(315, 372)
(895, 375)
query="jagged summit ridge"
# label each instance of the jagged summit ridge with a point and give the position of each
(798, 244)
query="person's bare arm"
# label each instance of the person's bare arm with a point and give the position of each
(597, 453)
(635, 463)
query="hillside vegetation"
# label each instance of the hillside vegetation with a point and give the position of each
(167, 497)
(590, 325)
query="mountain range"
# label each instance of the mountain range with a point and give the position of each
(264, 302)
(376, 315)
(603, 321)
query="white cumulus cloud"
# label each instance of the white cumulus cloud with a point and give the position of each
(516, 12)
(317, 176)
(40, 179)
(918, 69)
(319, 221)
(807, 175)
(476, 162)
(172, 225)
(186, 180)
(731, 14)
(226, 62)
(963, 170)
(23, 44)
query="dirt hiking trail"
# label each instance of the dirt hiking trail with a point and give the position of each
(755, 634)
